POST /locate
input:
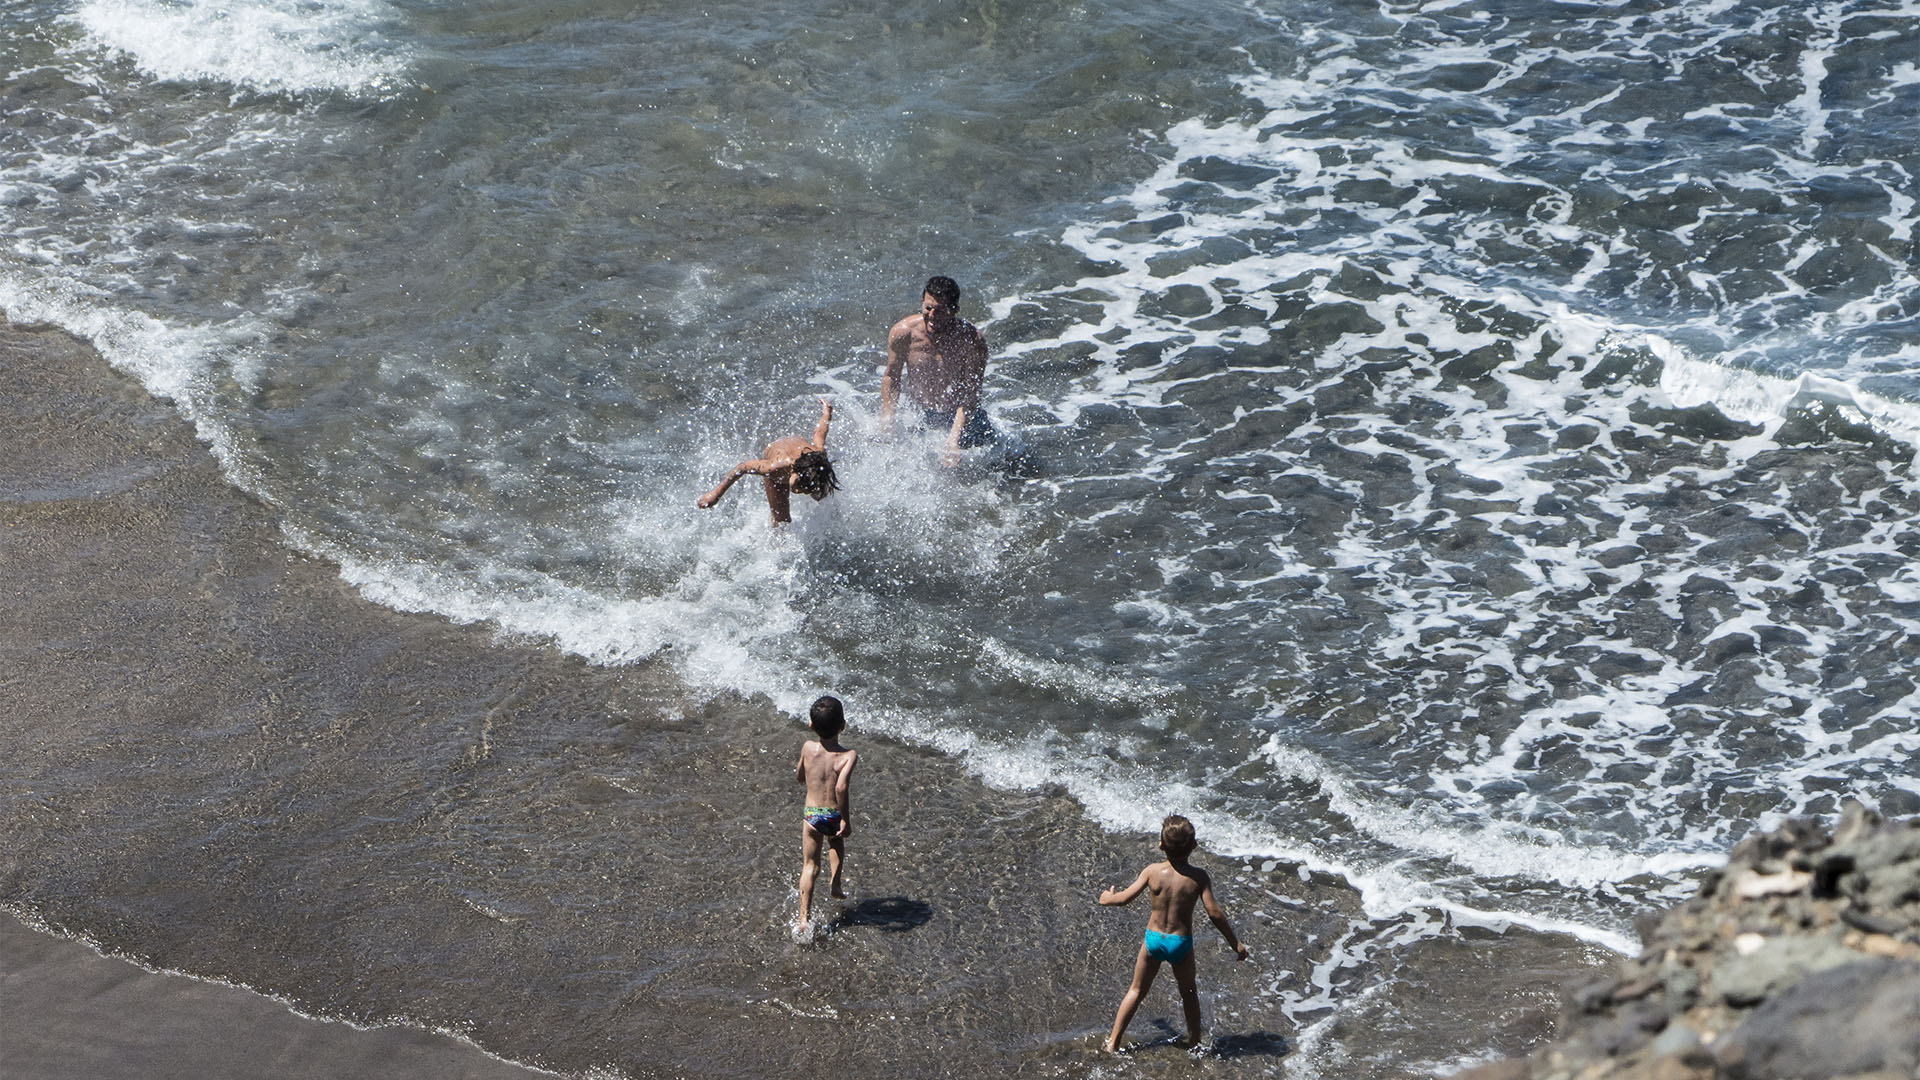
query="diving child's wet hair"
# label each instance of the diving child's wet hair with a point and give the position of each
(827, 718)
(1176, 836)
(813, 475)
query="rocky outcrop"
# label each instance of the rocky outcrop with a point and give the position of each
(1800, 960)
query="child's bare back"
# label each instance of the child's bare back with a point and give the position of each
(824, 767)
(1171, 893)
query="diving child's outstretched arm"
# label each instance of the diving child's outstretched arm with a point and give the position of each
(756, 467)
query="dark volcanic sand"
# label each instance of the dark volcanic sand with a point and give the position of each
(218, 759)
(68, 1011)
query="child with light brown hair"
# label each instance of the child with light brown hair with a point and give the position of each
(1172, 888)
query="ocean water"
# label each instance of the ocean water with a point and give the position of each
(1467, 448)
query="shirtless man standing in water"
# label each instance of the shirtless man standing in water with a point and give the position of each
(944, 360)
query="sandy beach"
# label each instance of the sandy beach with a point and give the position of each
(69, 1012)
(149, 597)
(1476, 489)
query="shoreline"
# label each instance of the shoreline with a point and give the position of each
(173, 643)
(72, 1011)
(517, 873)
(1799, 958)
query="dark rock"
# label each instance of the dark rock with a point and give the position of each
(1871, 923)
(1676, 1041)
(1625, 1031)
(1592, 997)
(1801, 953)
(1779, 963)
(1683, 990)
(1827, 870)
(1859, 1018)
(1635, 990)
(1765, 851)
(1709, 885)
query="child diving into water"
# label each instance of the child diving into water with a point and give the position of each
(1172, 888)
(787, 466)
(825, 767)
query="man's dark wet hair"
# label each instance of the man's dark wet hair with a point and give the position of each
(944, 289)
(826, 717)
(814, 474)
(1176, 836)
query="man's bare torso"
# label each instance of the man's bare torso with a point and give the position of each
(945, 367)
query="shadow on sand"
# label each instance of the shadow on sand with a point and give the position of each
(893, 914)
(1225, 1047)
(1249, 1044)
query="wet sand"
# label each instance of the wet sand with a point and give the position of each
(150, 599)
(70, 1012)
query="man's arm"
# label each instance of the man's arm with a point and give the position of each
(843, 793)
(950, 454)
(973, 377)
(745, 468)
(1219, 919)
(899, 340)
(1117, 897)
(820, 429)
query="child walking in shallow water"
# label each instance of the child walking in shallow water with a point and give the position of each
(1172, 889)
(825, 767)
(787, 467)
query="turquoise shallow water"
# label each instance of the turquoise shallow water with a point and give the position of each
(1469, 447)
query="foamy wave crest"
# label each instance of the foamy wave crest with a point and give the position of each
(1491, 849)
(269, 46)
(736, 621)
(172, 362)
(726, 615)
(1757, 398)
(1133, 798)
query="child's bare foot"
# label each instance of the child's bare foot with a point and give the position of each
(838, 893)
(1111, 1047)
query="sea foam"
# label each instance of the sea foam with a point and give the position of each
(265, 46)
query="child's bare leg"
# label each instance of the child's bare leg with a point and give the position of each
(1144, 969)
(1183, 974)
(809, 867)
(836, 856)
